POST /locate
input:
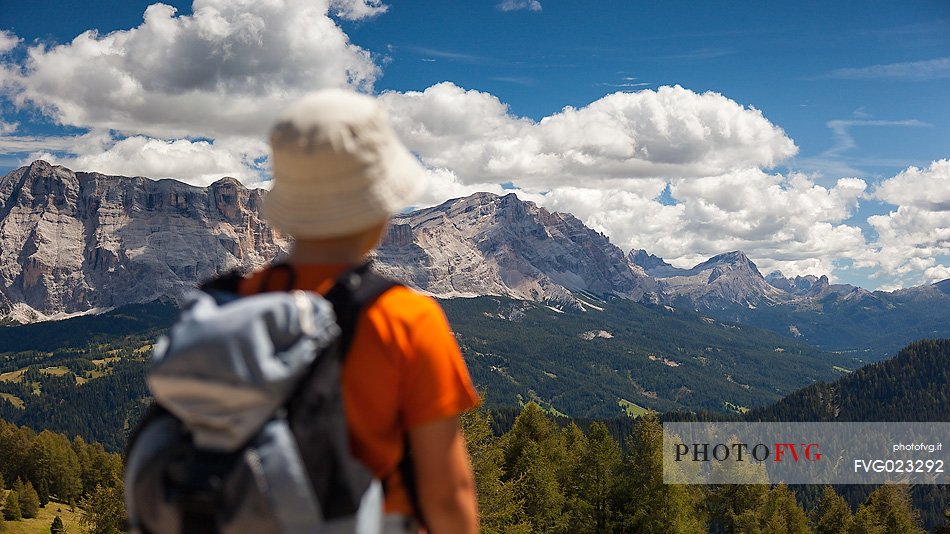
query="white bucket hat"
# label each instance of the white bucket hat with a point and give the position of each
(339, 167)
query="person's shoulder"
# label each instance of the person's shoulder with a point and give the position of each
(404, 303)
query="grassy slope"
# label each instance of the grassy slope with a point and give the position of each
(41, 523)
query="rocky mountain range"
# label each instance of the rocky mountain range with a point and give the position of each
(71, 242)
(74, 242)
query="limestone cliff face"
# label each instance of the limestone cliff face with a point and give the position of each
(71, 242)
(490, 245)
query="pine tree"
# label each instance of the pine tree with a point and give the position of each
(646, 503)
(104, 511)
(531, 426)
(14, 445)
(736, 506)
(534, 453)
(781, 514)
(598, 474)
(500, 512)
(831, 514)
(538, 489)
(39, 464)
(575, 447)
(578, 512)
(11, 508)
(865, 521)
(54, 467)
(57, 526)
(29, 500)
(887, 510)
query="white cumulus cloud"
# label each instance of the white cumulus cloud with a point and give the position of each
(8, 41)
(226, 69)
(682, 174)
(672, 132)
(912, 239)
(783, 223)
(195, 162)
(219, 75)
(923, 188)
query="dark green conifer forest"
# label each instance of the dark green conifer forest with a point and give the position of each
(543, 475)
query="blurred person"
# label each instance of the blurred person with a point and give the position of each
(340, 173)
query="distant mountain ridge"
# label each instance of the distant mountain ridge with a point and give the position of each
(723, 280)
(77, 242)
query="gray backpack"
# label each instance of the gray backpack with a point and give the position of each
(247, 433)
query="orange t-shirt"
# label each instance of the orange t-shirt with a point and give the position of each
(403, 369)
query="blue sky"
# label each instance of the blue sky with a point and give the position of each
(812, 135)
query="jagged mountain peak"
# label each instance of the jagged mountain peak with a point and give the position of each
(43, 169)
(721, 281)
(812, 286)
(646, 260)
(43, 166)
(778, 280)
(651, 265)
(502, 245)
(735, 258)
(811, 281)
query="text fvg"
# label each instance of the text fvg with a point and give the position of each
(739, 452)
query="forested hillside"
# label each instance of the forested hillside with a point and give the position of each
(538, 474)
(38, 468)
(873, 327)
(142, 320)
(912, 386)
(82, 376)
(542, 477)
(617, 356)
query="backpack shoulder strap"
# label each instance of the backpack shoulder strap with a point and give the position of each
(353, 291)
